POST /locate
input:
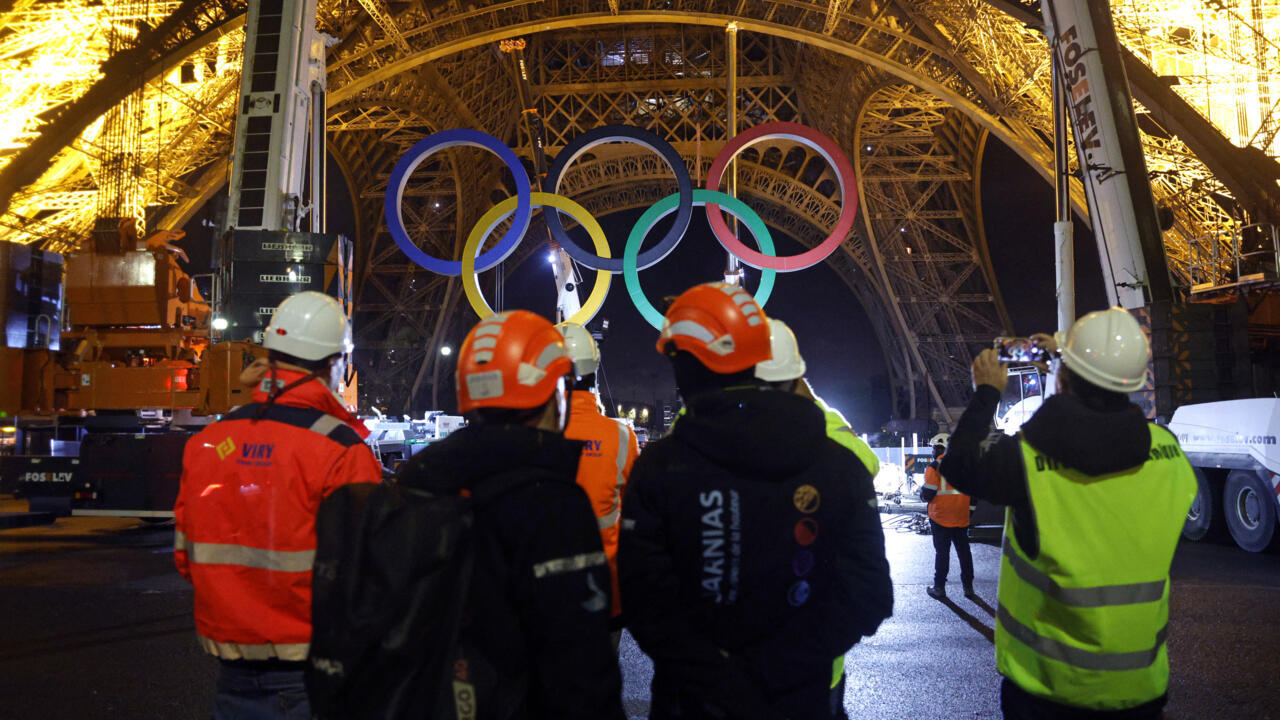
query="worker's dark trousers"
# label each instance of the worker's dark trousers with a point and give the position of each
(943, 538)
(1018, 704)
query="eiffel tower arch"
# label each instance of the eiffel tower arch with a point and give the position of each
(912, 91)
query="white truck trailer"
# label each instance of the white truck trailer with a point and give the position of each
(1232, 446)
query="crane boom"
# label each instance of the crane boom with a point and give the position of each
(1086, 55)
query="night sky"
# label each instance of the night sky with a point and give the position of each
(1017, 206)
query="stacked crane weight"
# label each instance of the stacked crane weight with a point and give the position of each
(261, 268)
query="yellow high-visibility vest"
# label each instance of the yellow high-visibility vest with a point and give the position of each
(1084, 623)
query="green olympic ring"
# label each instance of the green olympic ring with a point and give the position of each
(666, 206)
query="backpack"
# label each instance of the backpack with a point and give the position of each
(390, 583)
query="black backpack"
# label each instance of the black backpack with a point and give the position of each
(391, 578)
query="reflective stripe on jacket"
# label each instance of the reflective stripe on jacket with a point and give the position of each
(1084, 623)
(606, 463)
(949, 507)
(245, 516)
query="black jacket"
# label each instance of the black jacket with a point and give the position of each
(751, 556)
(537, 636)
(1091, 441)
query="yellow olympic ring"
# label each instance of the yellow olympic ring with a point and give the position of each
(487, 222)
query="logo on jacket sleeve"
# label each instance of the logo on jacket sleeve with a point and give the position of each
(806, 531)
(225, 448)
(799, 594)
(806, 499)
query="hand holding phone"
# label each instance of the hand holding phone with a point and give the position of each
(1021, 350)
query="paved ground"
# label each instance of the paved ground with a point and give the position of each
(94, 623)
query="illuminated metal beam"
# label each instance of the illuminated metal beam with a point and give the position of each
(193, 25)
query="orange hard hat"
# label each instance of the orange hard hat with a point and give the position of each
(511, 360)
(720, 324)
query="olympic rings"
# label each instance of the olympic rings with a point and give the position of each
(498, 213)
(827, 149)
(643, 138)
(663, 208)
(632, 261)
(410, 162)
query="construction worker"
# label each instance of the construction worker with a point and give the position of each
(609, 451)
(751, 551)
(535, 642)
(245, 514)
(948, 524)
(1097, 498)
(785, 371)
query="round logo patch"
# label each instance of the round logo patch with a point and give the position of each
(806, 499)
(799, 593)
(802, 564)
(806, 531)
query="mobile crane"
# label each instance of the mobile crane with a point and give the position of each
(103, 380)
(1231, 443)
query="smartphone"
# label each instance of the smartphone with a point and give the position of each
(1020, 350)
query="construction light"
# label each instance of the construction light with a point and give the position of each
(445, 350)
(220, 324)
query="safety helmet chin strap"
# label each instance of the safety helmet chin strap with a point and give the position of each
(276, 390)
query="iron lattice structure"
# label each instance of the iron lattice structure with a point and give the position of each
(911, 90)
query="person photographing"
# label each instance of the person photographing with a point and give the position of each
(1096, 499)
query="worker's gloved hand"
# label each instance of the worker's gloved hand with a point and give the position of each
(988, 370)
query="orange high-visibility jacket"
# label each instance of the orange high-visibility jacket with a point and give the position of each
(950, 507)
(245, 515)
(606, 463)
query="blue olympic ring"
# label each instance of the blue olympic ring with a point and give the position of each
(410, 162)
(644, 138)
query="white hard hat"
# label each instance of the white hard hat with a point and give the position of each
(309, 325)
(786, 363)
(1108, 348)
(582, 348)
(943, 439)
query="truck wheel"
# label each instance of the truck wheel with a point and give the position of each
(1250, 508)
(1205, 518)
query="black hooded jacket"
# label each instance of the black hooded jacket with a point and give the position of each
(536, 638)
(751, 556)
(1090, 441)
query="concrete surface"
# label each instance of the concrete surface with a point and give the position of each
(94, 623)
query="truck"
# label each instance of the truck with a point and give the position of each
(394, 441)
(1232, 446)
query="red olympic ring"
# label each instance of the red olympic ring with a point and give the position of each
(825, 147)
